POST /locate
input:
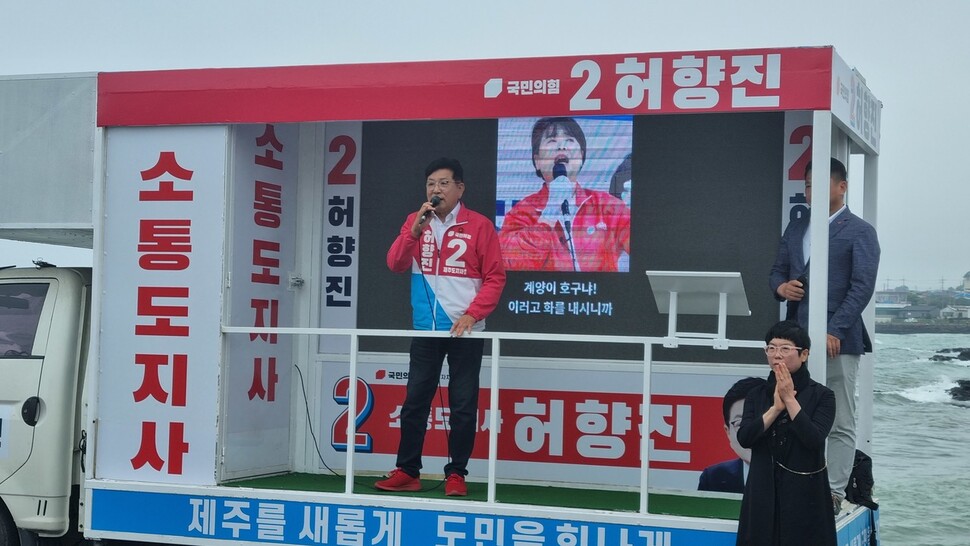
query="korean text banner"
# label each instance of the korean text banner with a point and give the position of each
(163, 254)
(625, 84)
(256, 420)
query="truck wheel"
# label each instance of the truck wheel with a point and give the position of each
(9, 536)
(30, 538)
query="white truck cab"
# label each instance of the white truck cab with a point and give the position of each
(44, 317)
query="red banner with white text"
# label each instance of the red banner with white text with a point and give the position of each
(626, 84)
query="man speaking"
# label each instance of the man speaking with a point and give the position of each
(457, 277)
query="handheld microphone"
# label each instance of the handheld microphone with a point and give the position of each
(435, 201)
(560, 170)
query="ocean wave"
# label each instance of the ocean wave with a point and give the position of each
(899, 349)
(919, 441)
(932, 393)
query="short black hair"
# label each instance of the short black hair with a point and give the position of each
(567, 124)
(738, 391)
(446, 163)
(789, 330)
(837, 170)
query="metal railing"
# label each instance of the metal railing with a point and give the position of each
(647, 342)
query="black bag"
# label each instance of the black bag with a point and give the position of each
(859, 489)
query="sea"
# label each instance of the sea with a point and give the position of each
(921, 441)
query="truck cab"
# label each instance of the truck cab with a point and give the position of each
(44, 316)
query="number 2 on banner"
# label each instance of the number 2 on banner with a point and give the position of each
(363, 443)
(581, 101)
(801, 135)
(338, 174)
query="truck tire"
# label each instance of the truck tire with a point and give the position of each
(29, 538)
(9, 535)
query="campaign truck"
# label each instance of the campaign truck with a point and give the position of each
(231, 368)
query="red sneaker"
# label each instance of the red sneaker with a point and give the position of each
(455, 486)
(398, 480)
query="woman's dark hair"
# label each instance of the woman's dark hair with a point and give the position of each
(545, 126)
(791, 331)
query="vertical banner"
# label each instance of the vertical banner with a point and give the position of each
(258, 366)
(161, 304)
(341, 231)
(854, 104)
(797, 154)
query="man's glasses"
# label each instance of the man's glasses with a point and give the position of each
(443, 183)
(783, 350)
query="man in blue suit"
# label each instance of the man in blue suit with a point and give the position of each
(853, 262)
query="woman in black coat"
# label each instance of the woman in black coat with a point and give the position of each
(787, 500)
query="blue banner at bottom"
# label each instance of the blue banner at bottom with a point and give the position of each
(860, 529)
(272, 521)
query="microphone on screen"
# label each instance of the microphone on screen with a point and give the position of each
(559, 170)
(560, 182)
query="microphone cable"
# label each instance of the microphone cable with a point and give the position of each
(316, 443)
(568, 225)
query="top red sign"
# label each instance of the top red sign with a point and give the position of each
(628, 84)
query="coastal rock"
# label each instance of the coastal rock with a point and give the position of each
(943, 355)
(961, 392)
(933, 327)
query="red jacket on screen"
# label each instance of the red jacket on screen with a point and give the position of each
(600, 234)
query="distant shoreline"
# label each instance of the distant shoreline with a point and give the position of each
(922, 328)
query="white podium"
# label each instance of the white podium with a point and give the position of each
(698, 293)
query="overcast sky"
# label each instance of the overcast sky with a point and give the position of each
(915, 57)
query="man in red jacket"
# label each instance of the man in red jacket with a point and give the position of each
(457, 277)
